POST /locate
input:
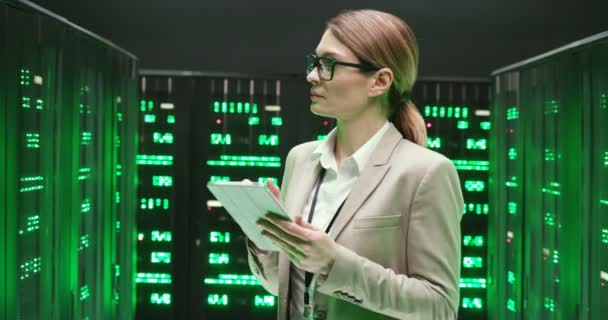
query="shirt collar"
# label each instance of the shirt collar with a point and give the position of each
(325, 150)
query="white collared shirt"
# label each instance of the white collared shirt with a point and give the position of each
(338, 182)
(335, 188)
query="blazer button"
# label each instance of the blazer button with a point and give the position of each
(320, 315)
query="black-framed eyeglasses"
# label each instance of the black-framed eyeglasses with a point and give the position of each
(326, 66)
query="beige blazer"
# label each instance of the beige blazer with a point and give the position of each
(398, 237)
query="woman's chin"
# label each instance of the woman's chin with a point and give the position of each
(317, 109)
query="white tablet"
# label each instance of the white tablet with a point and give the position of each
(247, 202)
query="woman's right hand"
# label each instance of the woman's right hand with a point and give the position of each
(276, 192)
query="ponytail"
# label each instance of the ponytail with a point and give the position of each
(407, 119)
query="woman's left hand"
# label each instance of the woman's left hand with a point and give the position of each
(307, 246)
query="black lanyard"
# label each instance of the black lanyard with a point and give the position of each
(308, 275)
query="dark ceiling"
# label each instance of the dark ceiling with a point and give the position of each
(456, 38)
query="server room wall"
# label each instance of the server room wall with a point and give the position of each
(549, 187)
(68, 105)
(192, 260)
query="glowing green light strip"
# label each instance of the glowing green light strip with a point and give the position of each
(473, 283)
(471, 165)
(156, 160)
(233, 279)
(159, 278)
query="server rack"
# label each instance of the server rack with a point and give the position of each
(65, 93)
(549, 185)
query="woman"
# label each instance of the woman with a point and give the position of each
(391, 207)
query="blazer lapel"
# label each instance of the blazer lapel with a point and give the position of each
(371, 176)
(302, 182)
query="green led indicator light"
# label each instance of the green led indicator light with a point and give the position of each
(219, 237)
(605, 236)
(164, 236)
(512, 154)
(552, 189)
(472, 262)
(30, 267)
(255, 108)
(551, 107)
(277, 121)
(511, 305)
(247, 107)
(549, 155)
(512, 183)
(321, 137)
(246, 161)
(463, 124)
(26, 102)
(485, 125)
(160, 298)
(86, 138)
(472, 303)
(512, 208)
(233, 280)
(32, 140)
(149, 118)
(270, 140)
(84, 242)
(549, 304)
(224, 107)
(476, 208)
(216, 107)
(549, 219)
(153, 278)
(446, 112)
(267, 301)
(471, 165)
(219, 258)
(473, 241)
(511, 277)
(473, 283)
(217, 300)
(263, 180)
(474, 185)
(477, 144)
(512, 113)
(231, 104)
(163, 138)
(32, 224)
(220, 139)
(433, 143)
(254, 121)
(154, 203)
(154, 160)
(219, 179)
(24, 77)
(171, 119)
(239, 107)
(160, 257)
(84, 293)
(162, 181)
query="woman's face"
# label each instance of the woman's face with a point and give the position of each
(346, 95)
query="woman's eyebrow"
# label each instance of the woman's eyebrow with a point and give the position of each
(327, 54)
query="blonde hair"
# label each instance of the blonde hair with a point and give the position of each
(384, 40)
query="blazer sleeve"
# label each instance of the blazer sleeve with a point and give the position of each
(430, 290)
(265, 266)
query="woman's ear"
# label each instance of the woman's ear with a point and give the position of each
(381, 82)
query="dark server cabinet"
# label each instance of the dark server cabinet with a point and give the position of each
(548, 183)
(68, 169)
(196, 128)
(457, 116)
